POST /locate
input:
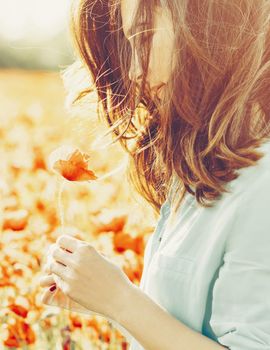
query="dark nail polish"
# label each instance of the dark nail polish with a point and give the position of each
(52, 288)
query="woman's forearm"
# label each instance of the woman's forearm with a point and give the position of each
(155, 329)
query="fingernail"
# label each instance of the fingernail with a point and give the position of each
(52, 288)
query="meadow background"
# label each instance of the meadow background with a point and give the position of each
(36, 206)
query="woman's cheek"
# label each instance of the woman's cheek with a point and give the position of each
(160, 59)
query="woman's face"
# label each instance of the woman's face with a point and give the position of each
(160, 64)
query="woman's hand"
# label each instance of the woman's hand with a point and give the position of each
(57, 297)
(86, 279)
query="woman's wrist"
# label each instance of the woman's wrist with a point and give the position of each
(124, 301)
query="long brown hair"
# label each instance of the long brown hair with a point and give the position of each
(217, 106)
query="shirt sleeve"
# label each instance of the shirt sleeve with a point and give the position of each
(240, 317)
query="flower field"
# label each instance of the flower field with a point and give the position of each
(37, 206)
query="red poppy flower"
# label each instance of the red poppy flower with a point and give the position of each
(72, 164)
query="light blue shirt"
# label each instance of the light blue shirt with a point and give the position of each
(211, 270)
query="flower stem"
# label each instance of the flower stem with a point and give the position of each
(60, 204)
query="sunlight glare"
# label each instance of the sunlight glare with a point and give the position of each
(32, 19)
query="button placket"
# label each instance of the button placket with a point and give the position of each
(164, 211)
(166, 214)
(187, 205)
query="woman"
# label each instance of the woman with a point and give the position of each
(185, 87)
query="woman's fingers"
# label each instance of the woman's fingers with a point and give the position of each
(47, 268)
(46, 281)
(48, 298)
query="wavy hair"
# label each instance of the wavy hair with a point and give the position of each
(217, 98)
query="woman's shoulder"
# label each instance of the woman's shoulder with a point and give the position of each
(252, 216)
(254, 177)
(251, 185)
